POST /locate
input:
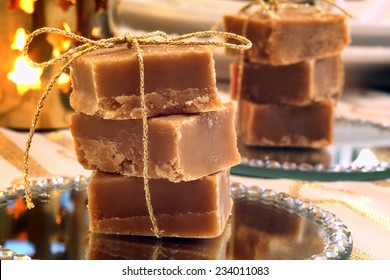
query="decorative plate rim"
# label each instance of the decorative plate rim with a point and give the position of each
(337, 236)
(39, 188)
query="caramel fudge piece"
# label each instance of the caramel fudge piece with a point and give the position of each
(178, 79)
(270, 124)
(124, 247)
(295, 84)
(195, 209)
(181, 147)
(290, 35)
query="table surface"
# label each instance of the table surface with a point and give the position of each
(362, 205)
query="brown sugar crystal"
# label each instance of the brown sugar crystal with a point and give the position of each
(178, 79)
(295, 84)
(181, 147)
(290, 35)
(270, 124)
(198, 208)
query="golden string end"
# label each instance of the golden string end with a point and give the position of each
(29, 202)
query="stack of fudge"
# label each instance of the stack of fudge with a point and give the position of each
(287, 83)
(191, 141)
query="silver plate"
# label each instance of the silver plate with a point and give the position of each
(361, 151)
(264, 225)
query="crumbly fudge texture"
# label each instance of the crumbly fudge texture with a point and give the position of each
(294, 84)
(181, 147)
(178, 79)
(290, 35)
(270, 124)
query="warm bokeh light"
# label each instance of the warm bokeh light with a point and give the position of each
(17, 209)
(65, 42)
(65, 4)
(27, 6)
(56, 52)
(64, 82)
(19, 39)
(24, 76)
(58, 219)
(59, 42)
(96, 32)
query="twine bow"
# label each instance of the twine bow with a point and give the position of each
(134, 41)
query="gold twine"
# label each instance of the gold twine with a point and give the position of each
(135, 41)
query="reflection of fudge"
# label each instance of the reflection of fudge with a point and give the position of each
(178, 79)
(265, 231)
(198, 208)
(181, 147)
(113, 247)
(289, 126)
(290, 155)
(261, 245)
(293, 84)
(291, 35)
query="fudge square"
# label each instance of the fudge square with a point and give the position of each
(181, 147)
(269, 124)
(196, 209)
(290, 35)
(178, 79)
(294, 84)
